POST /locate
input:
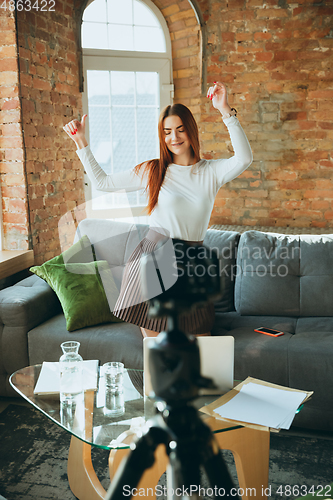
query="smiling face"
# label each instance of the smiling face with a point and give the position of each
(177, 140)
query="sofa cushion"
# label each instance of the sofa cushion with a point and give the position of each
(316, 275)
(225, 243)
(280, 274)
(233, 320)
(311, 368)
(260, 356)
(107, 342)
(315, 324)
(80, 290)
(268, 269)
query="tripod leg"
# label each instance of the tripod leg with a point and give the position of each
(183, 474)
(150, 477)
(142, 457)
(214, 465)
(195, 446)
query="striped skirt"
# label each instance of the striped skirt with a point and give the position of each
(132, 307)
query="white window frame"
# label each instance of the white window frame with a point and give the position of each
(120, 60)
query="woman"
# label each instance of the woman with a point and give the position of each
(181, 192)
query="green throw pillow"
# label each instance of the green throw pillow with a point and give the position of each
(79, 287)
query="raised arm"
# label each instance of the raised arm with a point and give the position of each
(228, 169)
(127, 180)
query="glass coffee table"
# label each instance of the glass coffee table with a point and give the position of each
(92, 426)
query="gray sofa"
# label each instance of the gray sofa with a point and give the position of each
(274, 280)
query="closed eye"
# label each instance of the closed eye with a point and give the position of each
(168, 133)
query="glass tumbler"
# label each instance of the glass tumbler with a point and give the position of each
(114, 389)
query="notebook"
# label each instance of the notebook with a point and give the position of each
(217, 362)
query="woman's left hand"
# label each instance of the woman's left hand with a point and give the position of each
(219, 97)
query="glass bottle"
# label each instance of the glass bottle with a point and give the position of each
(71, 373)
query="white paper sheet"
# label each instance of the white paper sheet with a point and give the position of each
(49, 378)
(262, 405)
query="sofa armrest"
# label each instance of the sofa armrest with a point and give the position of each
(28, 303)
(23, 306)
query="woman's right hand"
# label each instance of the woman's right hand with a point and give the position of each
(75, 129)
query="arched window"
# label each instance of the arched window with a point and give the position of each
(128, 80)
(125, 25)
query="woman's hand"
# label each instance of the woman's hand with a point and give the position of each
(76, 131)
(219, 97)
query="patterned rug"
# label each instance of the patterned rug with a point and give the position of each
(33, 460)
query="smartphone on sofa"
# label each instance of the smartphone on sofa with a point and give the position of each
(269, 331)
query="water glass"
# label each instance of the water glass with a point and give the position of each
(114, 388)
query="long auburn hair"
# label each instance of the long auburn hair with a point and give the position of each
(157, 168)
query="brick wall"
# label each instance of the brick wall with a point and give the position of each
(50, 98)
(12, 172)
(39, 168)
(276, 59)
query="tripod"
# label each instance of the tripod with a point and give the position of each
(174, 364)
(189, 443)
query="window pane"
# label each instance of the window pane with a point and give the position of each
(120, 37)
(120, 12)
(98, 87)
(147, 88)
(100, 135)
(94, 35)
(123, 138)
(123, 108)
(147, 120)
(96, 11)
(122, 87)
(122, 25)
(143, 16)
(149, 39)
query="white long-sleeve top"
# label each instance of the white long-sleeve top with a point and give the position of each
(187, 194)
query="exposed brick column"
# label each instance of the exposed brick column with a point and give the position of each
(185, 34)
(50, 98)
(12, 172)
